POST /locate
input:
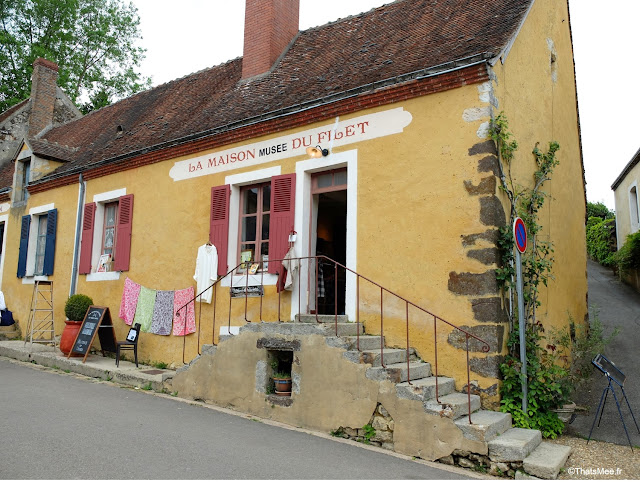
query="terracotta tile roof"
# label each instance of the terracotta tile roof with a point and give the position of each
(42, 148)
(323, 63)
(6, 175)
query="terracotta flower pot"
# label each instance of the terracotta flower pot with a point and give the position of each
(283, 386)
(69, 334)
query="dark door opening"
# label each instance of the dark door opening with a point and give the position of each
(332, 242)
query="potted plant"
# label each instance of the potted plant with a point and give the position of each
(75, 308)
(282, 382)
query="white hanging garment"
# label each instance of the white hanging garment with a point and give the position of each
(206, 270)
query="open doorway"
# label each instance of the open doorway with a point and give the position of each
(330, 222)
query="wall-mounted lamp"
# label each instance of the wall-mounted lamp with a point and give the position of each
(317, 151)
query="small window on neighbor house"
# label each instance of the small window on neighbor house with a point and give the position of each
(633, 205)
(23, 176)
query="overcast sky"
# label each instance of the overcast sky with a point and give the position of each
(203, 33)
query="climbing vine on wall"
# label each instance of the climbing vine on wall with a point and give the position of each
(543, 372)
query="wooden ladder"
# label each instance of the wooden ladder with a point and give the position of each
(40, 328)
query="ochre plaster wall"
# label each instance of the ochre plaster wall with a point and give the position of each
(535, 88)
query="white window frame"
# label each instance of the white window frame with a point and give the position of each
(34, 212)
(304, 170)
(101, 200)
(634, 208)
(236, 181)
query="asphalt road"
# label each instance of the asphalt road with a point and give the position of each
(59, 426)
(616, 305)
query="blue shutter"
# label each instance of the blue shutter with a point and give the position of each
(50, 242)
(24, 244)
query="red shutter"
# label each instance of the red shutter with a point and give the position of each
(219, 224)
(86, 245)
(283, 189)
(123, 234)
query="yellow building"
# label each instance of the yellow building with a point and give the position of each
(402, 188)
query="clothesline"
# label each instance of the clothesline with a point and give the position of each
(157, 310)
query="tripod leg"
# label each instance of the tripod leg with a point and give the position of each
(596, 417)
(622, 419)
(628, 405)
(605, 402)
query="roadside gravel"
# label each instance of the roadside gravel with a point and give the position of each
(587, 458)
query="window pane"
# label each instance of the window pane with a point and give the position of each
(324, 180)
(247, 252)
(108, 239)
(266, 197)
(249, 228)
(340, 178)
(265, 227)
(110, 215)
(250, 201)
(42, 226)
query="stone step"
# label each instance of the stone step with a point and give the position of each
(321, 319)
(425, 388)
(397, 372)
(390, 356)
(485, 425)
(453, 405)
(546, 460)
(11, 332)
(367, 342)
(344, 329)
(514, 445)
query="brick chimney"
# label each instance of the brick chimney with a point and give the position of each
(43, 95)
(269, 27)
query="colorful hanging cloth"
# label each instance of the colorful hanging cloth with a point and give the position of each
(129, 301)
(162, 313)
(184, 323)
(144, 310)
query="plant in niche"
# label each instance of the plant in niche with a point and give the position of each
(545, 369)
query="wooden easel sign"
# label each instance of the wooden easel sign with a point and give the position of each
(97, 319)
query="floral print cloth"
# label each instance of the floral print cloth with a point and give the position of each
(184, 322)
(162, 313)
(129, 301)
(144, 310)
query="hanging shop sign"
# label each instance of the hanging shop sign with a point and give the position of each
(340, 133)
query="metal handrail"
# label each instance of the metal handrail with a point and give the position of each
(324, 259)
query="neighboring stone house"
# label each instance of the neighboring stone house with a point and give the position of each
(627, 206)
(399, 99)
(627, 201)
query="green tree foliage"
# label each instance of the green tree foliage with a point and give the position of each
(92, 41)
(599, 210)
(628, 257)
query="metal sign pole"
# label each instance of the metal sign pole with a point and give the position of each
(521, 324)
(520, 238)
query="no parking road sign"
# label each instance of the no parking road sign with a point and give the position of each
(520, 235)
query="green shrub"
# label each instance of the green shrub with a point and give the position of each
(546, 377)
(601, 240)
(76, 307)
(628, 257)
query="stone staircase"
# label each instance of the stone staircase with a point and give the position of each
(11, 332)
(509, 451)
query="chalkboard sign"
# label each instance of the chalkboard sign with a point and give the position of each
(96, 320)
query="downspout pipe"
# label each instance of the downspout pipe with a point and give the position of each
(76, 247)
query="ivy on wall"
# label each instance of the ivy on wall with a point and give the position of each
(544, 372)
